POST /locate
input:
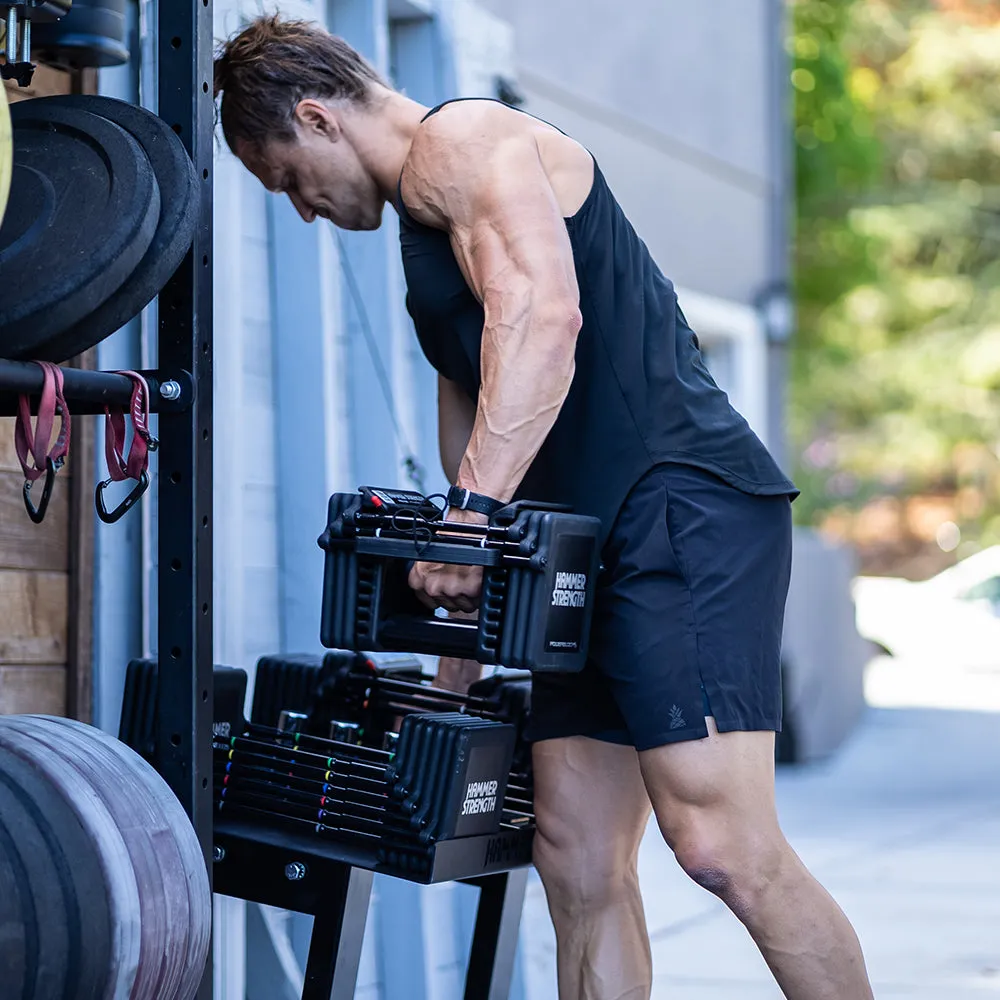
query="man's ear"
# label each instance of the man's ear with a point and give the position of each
(315, 116)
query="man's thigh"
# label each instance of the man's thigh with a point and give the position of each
(722, 785)
(590, 799)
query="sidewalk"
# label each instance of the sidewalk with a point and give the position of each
(903, 828)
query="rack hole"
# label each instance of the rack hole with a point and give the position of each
(204, 435)
(177, 128)
(204, 524)
(204, 782)
(175, 42)
(175, 564)
(204, 260)
(204, 609)
(175, 477)
(176, 652)
(204, 347)
(204, 695)
(204, 87)
(175, 739)
(204, 174)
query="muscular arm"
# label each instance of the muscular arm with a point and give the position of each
(489, 190)
(456, 416)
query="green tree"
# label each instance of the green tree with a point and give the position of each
(897, 364)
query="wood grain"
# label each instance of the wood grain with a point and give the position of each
(34, 617)
(24, 545)
(32, 689)
(8, 456)
(81, 427)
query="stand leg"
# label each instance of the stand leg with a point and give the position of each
(494, 943)
(335, 947)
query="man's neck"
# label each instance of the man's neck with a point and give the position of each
(382, 134)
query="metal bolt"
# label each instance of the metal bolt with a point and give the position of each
(170, 390)
(295, 871)
(12, 35)
(26, 42)
(218, 853)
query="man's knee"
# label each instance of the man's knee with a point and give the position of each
(582, 872)
(737, 864)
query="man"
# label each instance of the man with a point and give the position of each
(568, 373)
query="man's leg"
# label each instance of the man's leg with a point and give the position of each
(591, 808)
(714, 802)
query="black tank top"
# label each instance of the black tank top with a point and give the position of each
(641, 394)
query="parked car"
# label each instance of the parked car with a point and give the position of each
(952, 618)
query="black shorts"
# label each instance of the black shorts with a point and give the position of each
(687, 621)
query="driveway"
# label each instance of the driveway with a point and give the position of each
(902, 826)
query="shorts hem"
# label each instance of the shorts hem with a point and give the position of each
(743, 726)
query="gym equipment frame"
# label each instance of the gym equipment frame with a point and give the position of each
(181, 394)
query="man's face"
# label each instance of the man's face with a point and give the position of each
(320, 172)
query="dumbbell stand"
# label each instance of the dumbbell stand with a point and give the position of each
(336, 890)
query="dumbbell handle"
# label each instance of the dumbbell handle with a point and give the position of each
(440, 636)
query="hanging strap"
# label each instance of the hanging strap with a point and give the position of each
(135, 464)
(34, 453)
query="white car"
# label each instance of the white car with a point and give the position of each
(952, 619)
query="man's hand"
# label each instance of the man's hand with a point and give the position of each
(444, 585)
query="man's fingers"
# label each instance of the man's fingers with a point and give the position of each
(426, 600)
(438, 586)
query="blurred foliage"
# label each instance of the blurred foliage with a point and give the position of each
(896, 366)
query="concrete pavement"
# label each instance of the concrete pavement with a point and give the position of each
(903, 828)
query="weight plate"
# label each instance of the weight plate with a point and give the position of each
(178, 184)
(6, 150)
(84, 209)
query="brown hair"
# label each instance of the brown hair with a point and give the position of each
(267, 68)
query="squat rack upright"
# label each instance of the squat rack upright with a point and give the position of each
(184, 484)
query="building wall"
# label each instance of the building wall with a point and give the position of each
(673, 100)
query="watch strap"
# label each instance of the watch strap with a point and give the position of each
(462, 499)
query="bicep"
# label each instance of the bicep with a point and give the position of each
(456, 416)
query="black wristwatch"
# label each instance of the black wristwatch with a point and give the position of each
(462, 499)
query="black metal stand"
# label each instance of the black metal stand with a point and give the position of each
(494, 942)
(332, 881)
(90, 391)
(185, 697)
(185, 430)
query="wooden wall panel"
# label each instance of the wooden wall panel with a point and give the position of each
(34, 617)
(32, 689)
(8, 456)
(25, 545)
(81, 431)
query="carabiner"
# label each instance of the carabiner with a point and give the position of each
(37, 514)
(109, 517)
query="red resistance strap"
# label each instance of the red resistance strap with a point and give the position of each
(34, 444)
(132, 467)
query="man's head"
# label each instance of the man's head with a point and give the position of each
(291, 93)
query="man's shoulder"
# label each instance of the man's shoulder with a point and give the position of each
(468, 127)
(457, 148)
